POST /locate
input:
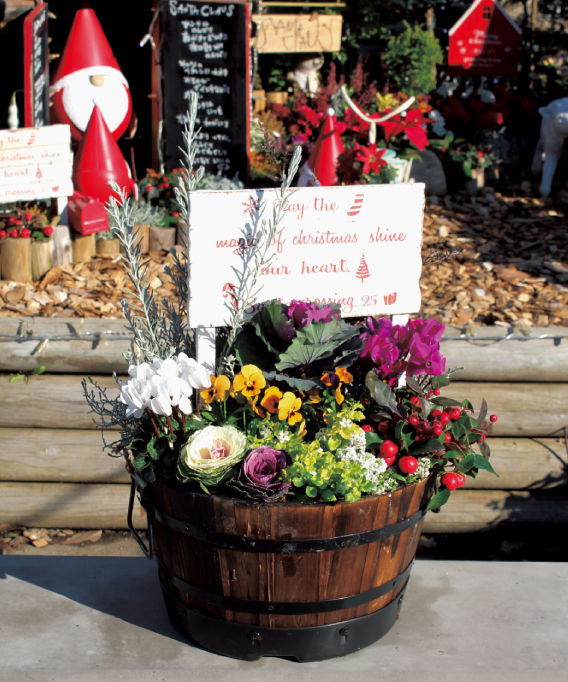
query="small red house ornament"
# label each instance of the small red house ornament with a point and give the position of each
(484, 42)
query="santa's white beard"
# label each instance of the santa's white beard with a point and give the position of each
(80, 96)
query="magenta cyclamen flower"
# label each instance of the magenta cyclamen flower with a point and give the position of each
(425, 356)
(429, 327)
(380, 350)
(262, 469)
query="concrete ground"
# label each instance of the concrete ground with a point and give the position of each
(94, 619)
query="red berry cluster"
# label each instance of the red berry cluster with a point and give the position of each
(23, 226)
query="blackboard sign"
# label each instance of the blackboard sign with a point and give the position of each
(205, 50)
(36, 67)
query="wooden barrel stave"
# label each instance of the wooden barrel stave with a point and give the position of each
(315, 576)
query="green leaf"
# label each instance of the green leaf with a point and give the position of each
(425, 408)
(152, 450)
(431, 445)
(140, 462)
(455, 448)
(481, 463)
(446, 402)
(413, 385)
(458, 431)
(274, 326)
(297, 482)
(484, 448)
(251, 350)
(439, 499)
(372, 440)
(300, 384)
(482, 412)
(311, 491)
(466, 464)
(440, 380)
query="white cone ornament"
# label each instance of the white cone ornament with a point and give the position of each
(88, 74)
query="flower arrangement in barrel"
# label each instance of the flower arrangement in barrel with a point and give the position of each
(301, 405)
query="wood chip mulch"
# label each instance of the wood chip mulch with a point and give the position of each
(513, 264)
(512, 268)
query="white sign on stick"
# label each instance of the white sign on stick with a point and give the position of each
(359, 246)
(35, 163)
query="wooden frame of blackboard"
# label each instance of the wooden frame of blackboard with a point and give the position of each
(171, 152)
(29, 71)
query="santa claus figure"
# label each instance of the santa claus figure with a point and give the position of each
(88, 74)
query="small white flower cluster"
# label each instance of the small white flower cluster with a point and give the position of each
(161, 384)
(375, 468)
(423, 467)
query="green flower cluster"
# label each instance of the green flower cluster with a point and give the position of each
(316, 471)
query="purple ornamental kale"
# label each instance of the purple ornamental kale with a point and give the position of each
(262, 469)
(303, 313)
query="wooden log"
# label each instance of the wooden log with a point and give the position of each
(531, 360)
(48, 402)
(143, 232)
(87, 356)
(524, 410)
(16, 259)
(162, 238)
(61, 455)
(62, 247)
(84, 248)
(108, 246)
(524, 463)
(58, 455)
(181, 233)
(259, 99)
(68, 505)
(97, 505)
(512, 361)
(42, 261)
(471, 511)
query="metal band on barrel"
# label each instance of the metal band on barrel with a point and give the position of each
(284, 608)
(269, 546)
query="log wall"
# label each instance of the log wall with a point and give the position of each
(54, 473)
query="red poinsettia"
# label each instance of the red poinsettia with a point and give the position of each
(371, 157)
(412, 125)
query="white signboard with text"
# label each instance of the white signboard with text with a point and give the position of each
(35, 163)
(359, 246)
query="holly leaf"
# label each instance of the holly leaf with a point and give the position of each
(480, 462)
(440, 380)
(484, 449)
(482, 412)
(466, 464)
(425, 408)
(413, 385)
(372, 440)
(446, 402)
(439, 499)
(430, 446)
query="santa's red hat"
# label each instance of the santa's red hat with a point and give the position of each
(99, 160)
(326, 151)
(86, 49)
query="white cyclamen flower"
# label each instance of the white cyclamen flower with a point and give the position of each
(191, 371)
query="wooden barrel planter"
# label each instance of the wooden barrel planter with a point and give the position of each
(311, 582)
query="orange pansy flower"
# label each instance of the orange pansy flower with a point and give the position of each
(250, 381)
(219, 387)
(272, 397)
(289, 409)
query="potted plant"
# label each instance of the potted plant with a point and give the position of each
(285, 487)
(26, 245)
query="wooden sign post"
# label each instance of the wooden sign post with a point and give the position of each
(299, 32)
(205, 50)
(359, 246)
(36, 67)
(484, 42)
(35, 163)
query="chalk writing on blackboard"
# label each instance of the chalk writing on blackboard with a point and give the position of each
(205, 51)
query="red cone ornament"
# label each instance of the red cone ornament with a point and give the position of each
(326, 152)
(99, 160)
(89, 75)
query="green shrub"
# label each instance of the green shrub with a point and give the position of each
(410, 59)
